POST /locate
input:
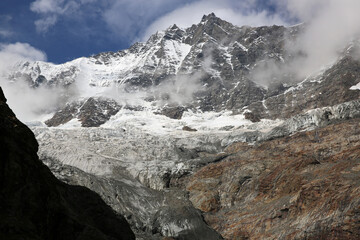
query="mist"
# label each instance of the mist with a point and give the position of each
(28, 103)
(178, 89)
(329, 27)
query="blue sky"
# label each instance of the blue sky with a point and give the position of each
(67, 29)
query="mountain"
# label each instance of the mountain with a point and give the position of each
(209, 132)
(35, 205)
(203, 67)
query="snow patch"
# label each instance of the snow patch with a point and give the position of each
(355, 87)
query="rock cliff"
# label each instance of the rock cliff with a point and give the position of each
(303, 186)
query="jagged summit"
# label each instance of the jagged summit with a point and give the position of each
(209, 17)
(211, 66)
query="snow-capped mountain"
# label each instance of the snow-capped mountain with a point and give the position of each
(206, 67)
(144, 121)
(211, 66)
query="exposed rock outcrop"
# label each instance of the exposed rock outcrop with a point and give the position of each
(173, 112)
(90, 113)
(304, 186)
(35, 205)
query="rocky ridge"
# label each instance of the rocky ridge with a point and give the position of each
(206, 67)
(210, 66)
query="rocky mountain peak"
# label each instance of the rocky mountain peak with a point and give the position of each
(209, 17)
(213, 27)
(215, 63)
(174, 33)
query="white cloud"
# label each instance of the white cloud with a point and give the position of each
(5, 31)
(331, 25)
(135, 19)
(47, 6)
(26, 102)
(12, 53)
(51, 10)
(43, 24)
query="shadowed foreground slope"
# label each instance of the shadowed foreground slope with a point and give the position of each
(35, 205)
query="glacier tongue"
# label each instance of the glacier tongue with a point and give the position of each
(146, 145)
(153, 148)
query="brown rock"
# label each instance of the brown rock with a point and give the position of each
(286, 188)
(252, 117)
(189, 129)
(173, 112)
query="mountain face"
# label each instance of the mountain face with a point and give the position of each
(209, 132)
(205, 67)
(303, 186)
(210, 66)
(35, 205)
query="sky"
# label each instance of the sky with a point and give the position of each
(67, 29)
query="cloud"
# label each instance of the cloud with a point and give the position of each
(26, 102)
(47, 6)
(330, 26)
(5, 18)
(125, 18)
(5, 33)
(178, 89)
(51, 10)
(43, 25)
(129, 18)
(12, 53)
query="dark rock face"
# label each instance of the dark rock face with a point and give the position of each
(252, 117)
(95, 112)
(64, 115)
(173, 112)
(35, 205)
(304, 186)
(91, 113)
(189, 129)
